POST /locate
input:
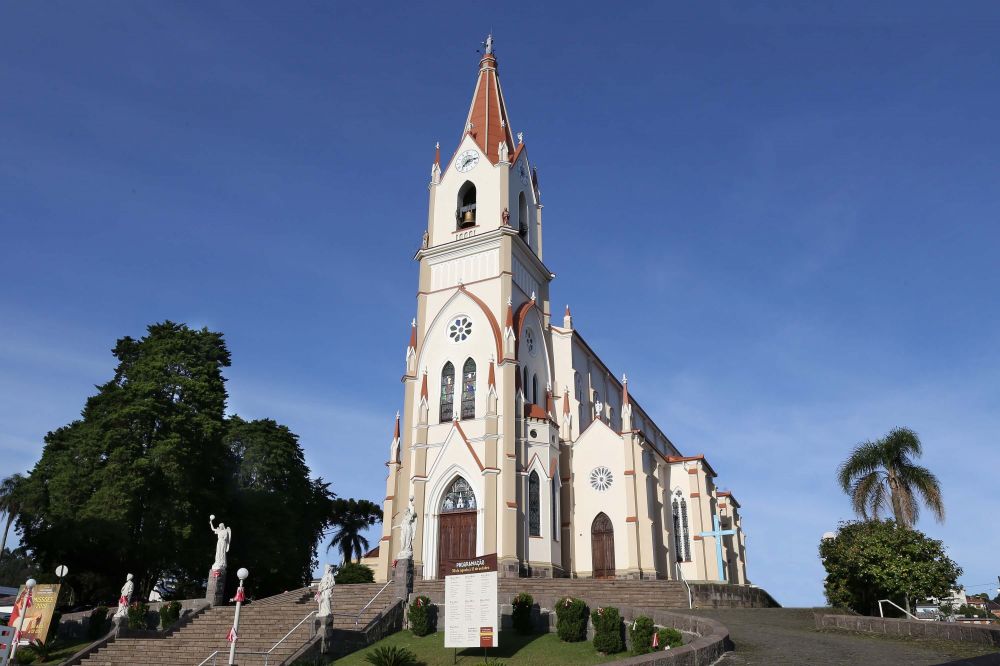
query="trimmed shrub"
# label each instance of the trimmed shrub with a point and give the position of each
(521, 615)
(641, 634)
(354, 572)
(170, 612)
(493, 661)
(571, 620)
(137, 615)
(391, 655)
(422, 616)
(25, 655)
(670, 637)
(607, 630)
(97, 625)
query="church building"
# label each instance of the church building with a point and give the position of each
(514, 437)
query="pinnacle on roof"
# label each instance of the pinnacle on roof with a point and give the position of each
(413, 334)
(395, 433)
(625, 400)
(423, 386)
(487, 121)
(491, 379)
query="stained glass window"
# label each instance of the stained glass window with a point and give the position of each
(678, 543)
(534, 512)
(459, 497)
(469, 390)
(684, 530)
(447, 392)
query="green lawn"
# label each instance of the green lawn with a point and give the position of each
(514, 650)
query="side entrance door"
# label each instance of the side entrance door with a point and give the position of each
(602, 547)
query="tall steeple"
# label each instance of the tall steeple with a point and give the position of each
(487, 120)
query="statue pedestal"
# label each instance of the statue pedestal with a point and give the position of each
(216, 592)
(324, 628)
(403, 578)
(119, 621)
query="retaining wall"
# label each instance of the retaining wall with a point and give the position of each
(954, 631)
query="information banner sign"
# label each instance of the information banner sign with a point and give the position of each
(472, 617)
(38, 613)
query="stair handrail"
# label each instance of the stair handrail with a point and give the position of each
(267, 653)
(889, 601)
(680, 576)
(361, 612)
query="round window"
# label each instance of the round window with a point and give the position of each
(460, 329)
(601, 478)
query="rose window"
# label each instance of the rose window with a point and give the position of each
(600, 478)
(460, 329)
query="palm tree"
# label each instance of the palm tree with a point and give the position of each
(881, 475)
(350, 518)
(9, 504)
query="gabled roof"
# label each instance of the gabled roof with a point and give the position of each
(488, 112)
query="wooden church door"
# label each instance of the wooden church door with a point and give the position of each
(602, 547)
(456, 526)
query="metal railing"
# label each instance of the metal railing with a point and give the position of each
(266, 654)
(361, 612)
(681, 578)
(888, 601)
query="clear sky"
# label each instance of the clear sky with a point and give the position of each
(780, 221)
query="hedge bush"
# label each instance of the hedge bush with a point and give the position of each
(607, 630)
(670, 637)
(354, 572)
(521, 615)
(97, 625)
(170, 612)
(641, 634)
(137, 615)
(422, 616)
(571, 620)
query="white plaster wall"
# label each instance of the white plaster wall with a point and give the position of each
(490, 196)
(598, 446)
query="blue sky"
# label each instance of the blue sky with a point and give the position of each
(781, 221)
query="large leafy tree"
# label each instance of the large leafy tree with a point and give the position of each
(880, 559)
(10, 504)
(350, 518)
(881, 477)
(280, 513)
(126, 487)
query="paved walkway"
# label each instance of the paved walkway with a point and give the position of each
(788, 636)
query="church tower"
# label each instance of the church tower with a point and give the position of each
(478, 436)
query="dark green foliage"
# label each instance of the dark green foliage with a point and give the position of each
(53, 627)
(138, 615)
(17, 566)
(670, 637)
(423, 616)
(391, 655)
(493, 661)
(607, 630)
(873, 560)
(521, 613)
(97, 626)
(25, 655)
(351, 517)
(354, 572)
(640, 632)
(128, 486)
(170, 612)
(571, 620)
(881, 478)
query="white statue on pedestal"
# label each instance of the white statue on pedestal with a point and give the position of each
(126, 597)
(324, 594)
(407, 529)
(223, 535)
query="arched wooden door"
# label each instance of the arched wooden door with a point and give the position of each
(602, 547)
(457, 526)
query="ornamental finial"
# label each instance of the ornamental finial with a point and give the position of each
(488, 44)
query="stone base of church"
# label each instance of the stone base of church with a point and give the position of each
(509, 568)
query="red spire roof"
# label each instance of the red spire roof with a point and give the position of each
(395, 433)
(423, 386)
(413, 334)
(488, 112)
(625, 390)
(491, 380)
(565, 402)
(510, 314)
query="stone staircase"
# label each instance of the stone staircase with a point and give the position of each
(546, 591)
(262, 624)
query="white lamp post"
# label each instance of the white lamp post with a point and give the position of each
(29, 585)
(233, 633)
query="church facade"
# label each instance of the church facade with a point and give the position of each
(514, 437)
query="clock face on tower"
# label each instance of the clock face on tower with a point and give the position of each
(522, 171)
(467, 160)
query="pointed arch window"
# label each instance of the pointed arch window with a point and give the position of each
(459, 497)
(685, 533)
(447, 392)
(465, 215)
(469, 389)
(534, 510)
(555, 511)
(522, 216)
(678, 539)
(534, 389)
